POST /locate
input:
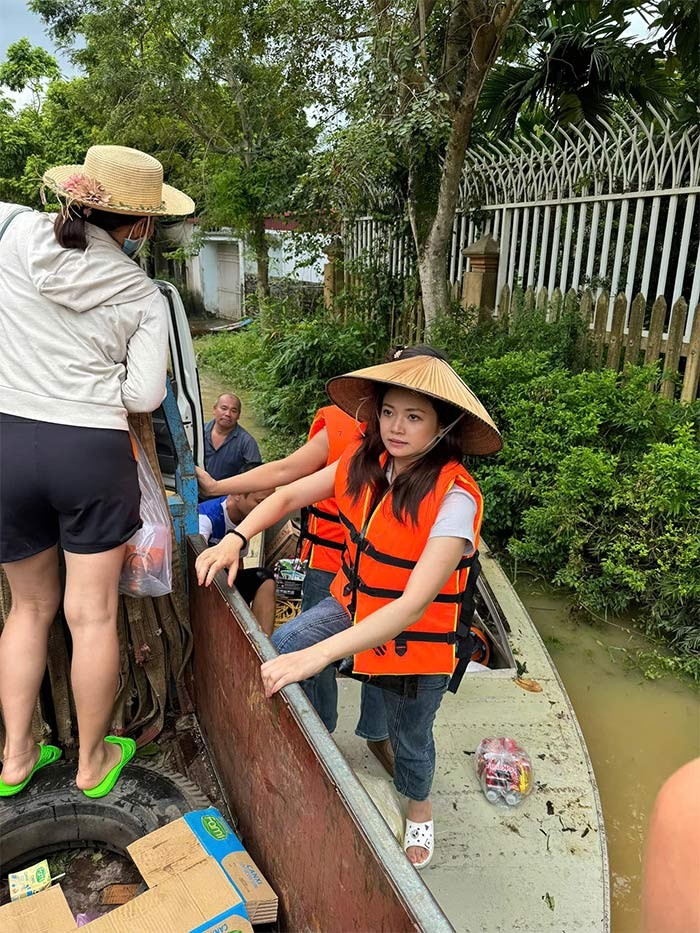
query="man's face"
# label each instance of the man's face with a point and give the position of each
(248, 502)
(226, 412)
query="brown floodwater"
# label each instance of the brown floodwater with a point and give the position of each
(637, 731)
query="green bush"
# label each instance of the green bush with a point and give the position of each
(286, 361)
(598, 487)
(465, 339)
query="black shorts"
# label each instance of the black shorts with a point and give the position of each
(63, 484)
(249, 581)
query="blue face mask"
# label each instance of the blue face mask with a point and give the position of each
(131, 247)
(131, 244)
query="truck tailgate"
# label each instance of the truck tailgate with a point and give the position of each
(302, 814)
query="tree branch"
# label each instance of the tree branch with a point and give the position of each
(237, 89)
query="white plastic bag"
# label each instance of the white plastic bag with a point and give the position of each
(504, 770)
(147, 569)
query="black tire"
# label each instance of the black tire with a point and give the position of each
(52, 814)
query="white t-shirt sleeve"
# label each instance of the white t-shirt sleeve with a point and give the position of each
(456, 518)
(205, 527)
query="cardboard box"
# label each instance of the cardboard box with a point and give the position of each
(198, 899)
(173, 849)
(256, 552)
(284, 544)
(45, 912)
(200, 880)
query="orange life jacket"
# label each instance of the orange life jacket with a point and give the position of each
(380, 555)
(322, 537)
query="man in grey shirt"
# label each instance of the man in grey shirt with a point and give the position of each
(228, 448)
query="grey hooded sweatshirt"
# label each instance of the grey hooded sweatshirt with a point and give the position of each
(83, 334)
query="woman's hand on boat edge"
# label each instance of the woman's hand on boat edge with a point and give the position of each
(291, 668)
(225, 554)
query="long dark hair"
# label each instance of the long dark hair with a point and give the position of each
(69, 225)
(414, 484)
(400, 352)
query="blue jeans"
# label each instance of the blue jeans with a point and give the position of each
(409, 720)
(323, 690)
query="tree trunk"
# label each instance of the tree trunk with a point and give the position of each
(433, 284)
(432, 213)
(262, 257)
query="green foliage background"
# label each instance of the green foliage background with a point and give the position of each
(598, 483)
(284, 361)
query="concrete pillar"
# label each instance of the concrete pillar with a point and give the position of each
(479, 284)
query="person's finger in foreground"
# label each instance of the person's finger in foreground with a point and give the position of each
(222, 556)
(290, 669)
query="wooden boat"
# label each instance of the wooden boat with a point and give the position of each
(542, 865)
(296, 792)
(310, 824)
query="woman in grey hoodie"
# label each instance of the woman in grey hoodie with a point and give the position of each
(84, 337)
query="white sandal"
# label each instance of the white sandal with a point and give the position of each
(421, 835)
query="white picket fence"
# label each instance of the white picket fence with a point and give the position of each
(614, 209)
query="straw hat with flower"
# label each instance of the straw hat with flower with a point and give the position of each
(118, 180)
(355, 394)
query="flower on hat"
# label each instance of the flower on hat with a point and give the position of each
(80, 187)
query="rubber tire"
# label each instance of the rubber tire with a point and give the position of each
(52, 814)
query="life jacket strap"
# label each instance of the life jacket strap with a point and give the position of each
(319, 513)
(392, 561)
(463, 636)
(382, 557)
(324, 542)
(405, 685)
(449, 638)
(306, 535)
(355, 585)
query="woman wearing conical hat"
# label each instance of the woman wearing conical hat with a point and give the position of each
(411, 514)
(84, 336)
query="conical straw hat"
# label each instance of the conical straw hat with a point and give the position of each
(118, 180)
(355, 394)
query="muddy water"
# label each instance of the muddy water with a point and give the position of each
(637, 731)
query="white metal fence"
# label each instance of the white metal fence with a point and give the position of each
(614, 208)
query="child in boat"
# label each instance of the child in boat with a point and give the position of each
(256, 585)
(411, 514)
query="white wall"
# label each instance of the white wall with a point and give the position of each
(218, 272)
(285, 258)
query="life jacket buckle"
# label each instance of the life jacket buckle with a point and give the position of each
(400, 645)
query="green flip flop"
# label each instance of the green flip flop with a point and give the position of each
(47, 755)
(128, 747)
